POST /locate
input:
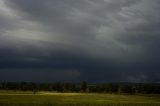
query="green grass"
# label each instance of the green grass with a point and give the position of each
(75, 99)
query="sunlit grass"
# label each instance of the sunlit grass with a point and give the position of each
(75, 99)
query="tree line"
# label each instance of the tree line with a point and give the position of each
(120, 88)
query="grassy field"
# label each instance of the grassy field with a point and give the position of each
(9, 98)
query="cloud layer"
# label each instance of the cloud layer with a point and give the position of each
(75, 40)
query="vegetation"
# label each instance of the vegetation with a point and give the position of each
(75, 99)
(79, 94)
(118, 88)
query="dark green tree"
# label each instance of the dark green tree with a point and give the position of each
(84, 86)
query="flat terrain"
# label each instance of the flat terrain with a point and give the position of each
(10, 98)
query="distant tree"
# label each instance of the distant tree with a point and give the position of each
(83, 86)
(34, 91)
(59, 86)
(127, 88)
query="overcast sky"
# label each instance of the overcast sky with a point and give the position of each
(80, 40)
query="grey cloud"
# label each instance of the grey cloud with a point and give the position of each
(39, 75)
(105, 40)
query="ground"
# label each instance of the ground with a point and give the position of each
(17, 98)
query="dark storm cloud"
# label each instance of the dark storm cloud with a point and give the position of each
(63, 61)
(96, 40)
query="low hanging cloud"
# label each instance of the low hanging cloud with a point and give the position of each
(103, 40)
